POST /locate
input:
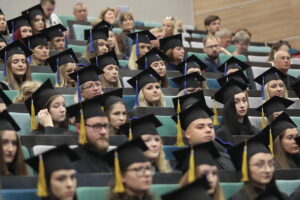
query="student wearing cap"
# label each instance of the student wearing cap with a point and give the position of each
(36, 17)
(19, 27)
(232, 65)
(155, 59)
(190, 65)
(133, 171)
(38, 44)
(235, 120)
(212, 49)
(16, 67)
(173, 48)
(11, 154)
(190, 83)
(56, 173)
(4, 101)
(26, 90)
(140, 46)
(205, 156)
(286, 150)
(63, 64)
(109, 64)
(3, 24)
(148, 89)
(55, 36)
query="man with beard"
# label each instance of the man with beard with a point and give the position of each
(92, 126)
(212, 50)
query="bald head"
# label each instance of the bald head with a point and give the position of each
(282, 61)
(80, 12)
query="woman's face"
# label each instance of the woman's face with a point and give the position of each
(288, 142)
(242, 46)
(59, 43)
(261, 168)
(118, 115)
(168, 27)
(3, 24)
(144, 48)
(241, 104)
(152, 92)
(63, 184)
(90, 89)
(57, 109)
(38, 23)
(111, 40)
(26, 31)
(110, 17)
(276, 88)
(9, 145)
(159, 67)
(127, 24)
(178, 53)
(18, 65)
(154, 145)
(211, 173)
(111, 74)
(41, 52)
(138, 177)
(70, 68)
(102, 47)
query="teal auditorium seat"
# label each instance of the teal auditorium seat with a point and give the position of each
(11, 93)
(229, 189)
(42, 77)
(260, 49)
(79, 30)
(152, 24)
(169, 149)
(231, 48)
(69, 99)
(17, 194)
(160, 189)
(91, 19)
(78, 48)
(92, 193)
(23, 120)
(117, 30)
(296, 120)
(294, 72)
(212, 84)
(168, 127)
(65, 18)
(198, 35)
(123, 63)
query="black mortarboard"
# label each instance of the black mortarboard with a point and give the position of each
(7, 122)
(231, 88)
(4, 98)
(36, 40)
(296, 88)
(141, 37)
(96, 34)
(232, 63)
(109, 98)
(275, 104)
(54, 31)
(89, 73)
(2, 39)
(64, 57)
(188, 99)
(204, 153)
(197, 190)
(195, 111)
(15, 47)
(152, 56)
(102, 61)
(238, 75)
(282, 122)
(128, 153)
(16, 23)
(1, 12)
(297, 139)
(33, 11)
(192, 80)
(41, 96)
(170, 42)
(191, 62)
(104, 24)
(271, 74)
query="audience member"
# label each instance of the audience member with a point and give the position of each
(80, 12)
(19, 27)
(241, 41)
(51, 18)
(212, 50)
(169, 26)
(3, 23)
(212, 24)
(281, 45)
(36, 17)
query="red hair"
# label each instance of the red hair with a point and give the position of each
(18, 35)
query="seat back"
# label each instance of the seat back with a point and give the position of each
(42, 77)
(256, 71)
(79, 30)
(168, 127)
(23, 120)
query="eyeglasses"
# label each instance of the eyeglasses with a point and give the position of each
(213, 46)
(99, 126)
(263, 164)
(92, 85)
(141, 171)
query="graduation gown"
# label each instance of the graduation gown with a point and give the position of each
(289, 81)
(53, 130)
(129, 197)
(296, 194)
(224, 162)
(90, 162)
(293, 160)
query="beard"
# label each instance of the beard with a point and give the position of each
(213, 56)
(98, 147)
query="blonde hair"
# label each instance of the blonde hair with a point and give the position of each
(279, 154)
(105, 10)
(241, 36)
(126, 15)
(174, 24)
(105, 84)
(88, 55)
(63, 76)
(133, 58)
(224, 32)
(144, 103)
(157, 30)
(267, 95)
(27, 86)
(161, 163)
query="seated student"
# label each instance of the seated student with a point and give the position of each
(140, 46)
(212, 49)
(26, 90)
(109, 64)
(50, 107)
(232, 65)
(189, 83)
(148, 89)
(3, 25)
(281, 45)
(55, 36)
(235, 112)
(16, 68)
(92, 127)
(173, 48)
(146, 128)
(59, 178)
(205, 156)
(88, 83)
(212, 24)
(11, 154)
(19, 27)
(36, 17)
(190, 65)
(133, 171)
(155, 59)
(66, 65)
(238, 76)
(4, 101)
(169, 26)
(286, 150)
(254, 159)
(97, 44)
(241, 41)
(38, 44)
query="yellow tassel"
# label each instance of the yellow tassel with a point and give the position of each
(263, 119)
(191, 170)
(130, 136)
(32, 121)
(245, 176)
(179, 140)
(41, 187)
(119, 187)
(102, 108)
(216, 119)
(271, 143)
(82, 133)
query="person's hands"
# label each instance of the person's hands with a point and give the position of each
(2, 107)
(45, 118)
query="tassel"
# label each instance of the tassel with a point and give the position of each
(146, 63)
(29, 59)
(82, 133)
(136, 94)
(216, 119)
(57, 71)
(185, 68)
(271, 143)
(97, 63)
(130, 136)
(245, 176)
(42, 185)
(91, 49)
(263, 119)
(225, 69)
(32, 121)
(179, 141)
(119, 187)
(137, 50)
(4, 69)
(191, 170)
(66, 42)
(78, 89)
(184, 85)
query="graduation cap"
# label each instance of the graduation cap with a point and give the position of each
(275, 104)
(196, 190)
(16, 23)
(54, 31)
(36, 40)
(59, 158)
(191, 80)
(281, 123)
(170, 42)
(104, 24)
(89, 73)
(109, 98)
(231, 88)
(4, 98)
(271, 74)
(296, 88)
(122, 157)
(95, 34)
(7, 122)
(188, 99)
(232, 63)
(191, 62)
(102, 61)
(152, 56)
(33, 11)
(141, 37)
(238, 75)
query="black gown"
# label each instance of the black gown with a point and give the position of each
(224, 162)
(289, 81)
(293, 160)
(53, 130)
(296, 194)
